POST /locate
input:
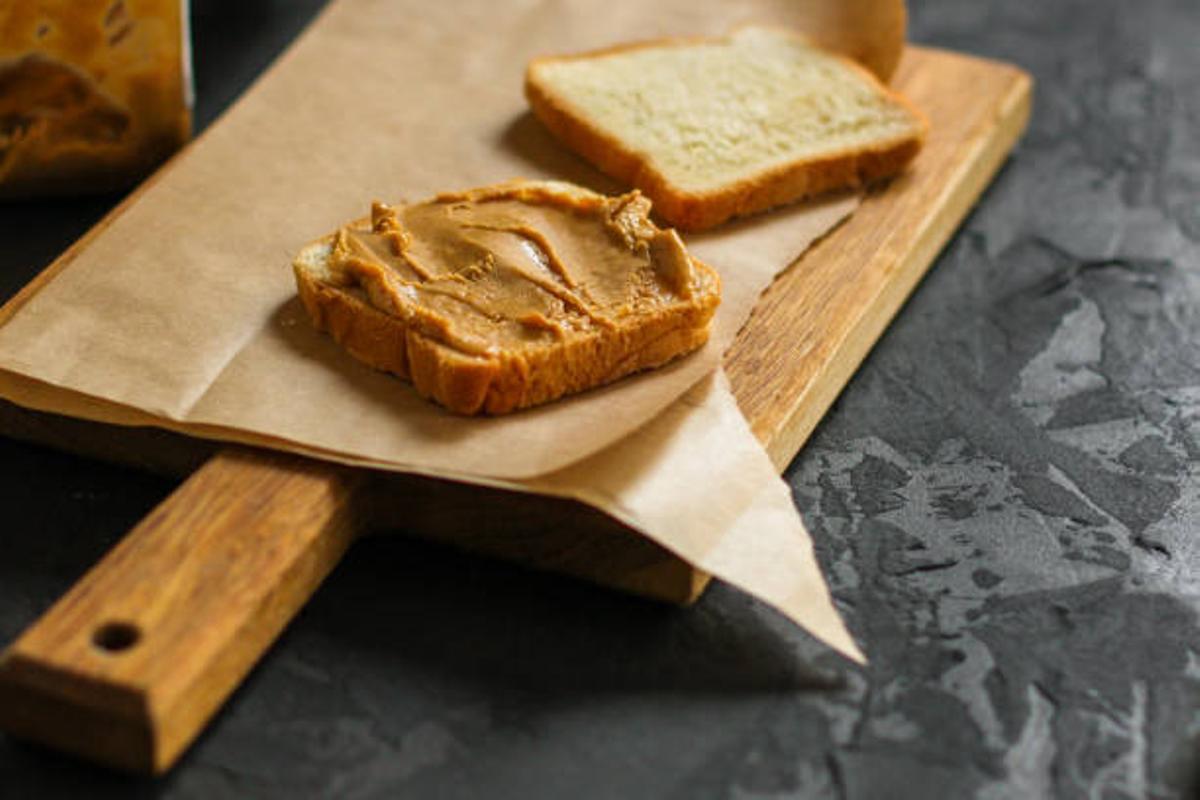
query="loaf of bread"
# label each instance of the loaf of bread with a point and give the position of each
(93, 93)
(711, 129)
(507, 296)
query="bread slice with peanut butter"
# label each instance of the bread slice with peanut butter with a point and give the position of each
(508, 296)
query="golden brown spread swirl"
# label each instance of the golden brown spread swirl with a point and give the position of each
(510, 266)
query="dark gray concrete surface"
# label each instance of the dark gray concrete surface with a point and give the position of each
(1005, 500)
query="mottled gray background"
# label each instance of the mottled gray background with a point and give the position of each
(1005, 500)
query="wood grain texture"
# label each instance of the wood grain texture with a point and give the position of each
(816, 323)
(130, 664)
(210, 578)
(543, 533)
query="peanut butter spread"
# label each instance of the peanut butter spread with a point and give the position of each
(492, 271)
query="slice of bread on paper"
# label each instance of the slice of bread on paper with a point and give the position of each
(711, 129)
(508, 296)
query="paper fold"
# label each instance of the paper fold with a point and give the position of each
(696, 481)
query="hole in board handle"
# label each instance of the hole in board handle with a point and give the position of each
(116, 637)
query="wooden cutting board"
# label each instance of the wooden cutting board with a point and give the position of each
(128, 667)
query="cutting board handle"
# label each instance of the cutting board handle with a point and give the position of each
(129, 665)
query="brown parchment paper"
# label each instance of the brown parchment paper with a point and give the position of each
(182, 312)
(697, 482)
(183, 308)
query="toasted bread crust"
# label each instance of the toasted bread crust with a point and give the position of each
(467, 384)
(692, 211)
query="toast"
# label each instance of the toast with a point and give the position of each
(711, 129)
(509, 296)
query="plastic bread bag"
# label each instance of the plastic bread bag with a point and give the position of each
(93, 93)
